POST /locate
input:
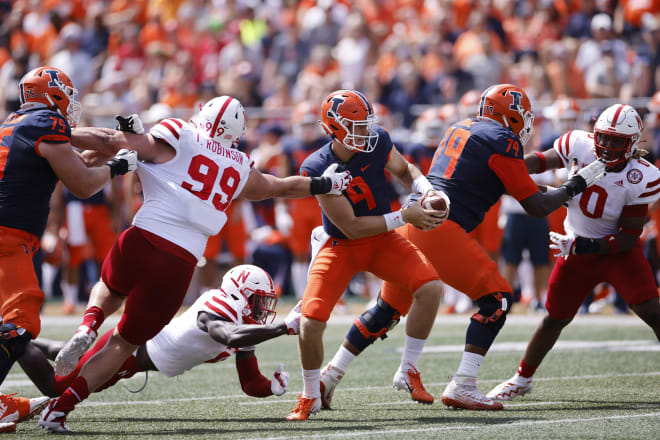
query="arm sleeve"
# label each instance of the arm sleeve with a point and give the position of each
(513, 174)
(253, 383)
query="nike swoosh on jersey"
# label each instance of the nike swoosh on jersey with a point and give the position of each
(364, 167)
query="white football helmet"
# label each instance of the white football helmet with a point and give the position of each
(222, 119)
(250, 292)
(616, 134)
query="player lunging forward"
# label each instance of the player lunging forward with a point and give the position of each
(603, 226)
(190, 174)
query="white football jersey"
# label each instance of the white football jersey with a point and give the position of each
(181, 344)
(595, 213)
(185, 198)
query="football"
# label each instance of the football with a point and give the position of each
(434, 201)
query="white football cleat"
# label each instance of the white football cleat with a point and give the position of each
(7, 427)
(330, 377)
(512, 388)
(462, 392)
(53, 421)
(70, 354)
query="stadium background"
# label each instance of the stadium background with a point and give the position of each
(421, 61)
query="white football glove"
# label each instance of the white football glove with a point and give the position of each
(123, 162)
(565, 244)
(130, 124)
(591, 174)
(340, 181)
(280, 382)
(292, 320)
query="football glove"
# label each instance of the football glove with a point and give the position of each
(280, 382)
(292, 320)
(564, 244)
(124, 162)
(339, 181)
(579, 180)
(130, 124)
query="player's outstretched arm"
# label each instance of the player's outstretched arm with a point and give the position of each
(265, 186)
(237, 336)
(255, 384)
(538, 162)
(107, 142)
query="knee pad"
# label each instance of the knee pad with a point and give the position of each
(493, 309)
(13, 339)
(373, 324)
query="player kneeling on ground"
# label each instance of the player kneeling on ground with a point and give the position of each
(603, 226)
(232, 318)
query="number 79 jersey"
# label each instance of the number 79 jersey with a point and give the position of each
(186, 197)
(595, 213)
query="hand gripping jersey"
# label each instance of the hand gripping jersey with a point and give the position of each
(26, 179)
(181, 345)
(595, 213)
(185, 199)
(368, 192)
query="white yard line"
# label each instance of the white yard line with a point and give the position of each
(354, 434)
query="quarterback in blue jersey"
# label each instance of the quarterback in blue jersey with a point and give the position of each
(476, 162)
(358, 230)
(35, 152)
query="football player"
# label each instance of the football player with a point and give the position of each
(35, 152)
(603, 226)
(190, 173)
(359, 237)
(476, 162)
(232, 319)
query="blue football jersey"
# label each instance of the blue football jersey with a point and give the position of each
(461, 169)
(368, 193)
(26, 179)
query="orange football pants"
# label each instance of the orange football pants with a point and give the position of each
(458, 259)
(233, 234)
(20, 294)
(306, 215)
(98, 227)
(389, 256)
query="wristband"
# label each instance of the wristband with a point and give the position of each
(394, 219)
(320, 185)
(575, 185)
(542, 163)
(421, 185)
(586, 246)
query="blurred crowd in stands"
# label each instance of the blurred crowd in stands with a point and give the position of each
(424, 62)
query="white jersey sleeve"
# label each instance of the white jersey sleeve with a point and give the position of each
(570, 144)
(648, 190)
(168, 130)
(185, 198)
(182, 345)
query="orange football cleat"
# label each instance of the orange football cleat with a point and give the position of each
(411, 381)
(19, 409)
(305, 408)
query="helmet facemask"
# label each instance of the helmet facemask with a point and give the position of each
(74, 109)
(614, 148)
(261, 305)
(527, 117)
(360, 135)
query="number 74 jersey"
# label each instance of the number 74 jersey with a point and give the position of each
(185, 198)
(595, 213)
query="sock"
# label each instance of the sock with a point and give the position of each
(311, 383)
(93, 318)
(412, 350)
(470, 364)
(525, 370)
(299, 277)
(342, 359)
(69, 293)
(73, 395)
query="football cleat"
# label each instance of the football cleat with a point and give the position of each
(512, 388)
(461, 392)
(330, 377)
(19, 409)
(411, 381)
(305, 408)
(70, 354)
(8, 427)
(52, 420)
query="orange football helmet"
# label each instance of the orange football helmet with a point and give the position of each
(348, 117)
(509, 106)
(51, 87)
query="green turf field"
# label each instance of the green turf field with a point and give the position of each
(603, 382)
